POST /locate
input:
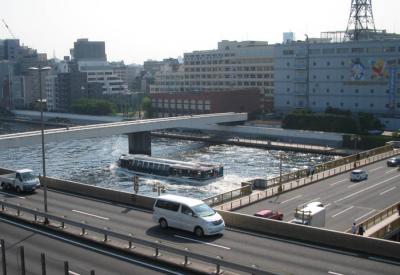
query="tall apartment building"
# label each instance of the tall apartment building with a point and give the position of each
(233, 65)
(360, 76)
(85, 50)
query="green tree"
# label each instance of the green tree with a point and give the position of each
(93, 107)
(146, 107)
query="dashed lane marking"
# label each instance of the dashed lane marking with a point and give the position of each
(92, 215)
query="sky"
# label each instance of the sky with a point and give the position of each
(139, 30)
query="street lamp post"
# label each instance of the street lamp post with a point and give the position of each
(40, 70)
(356, 139)
(280, 170)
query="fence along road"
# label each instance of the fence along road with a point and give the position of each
(81, 259)
(243, 248)
(346, 202)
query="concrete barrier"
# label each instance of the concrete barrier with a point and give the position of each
(99, 193)
(320, 236)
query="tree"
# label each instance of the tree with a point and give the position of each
(145, 105)
(93, 107)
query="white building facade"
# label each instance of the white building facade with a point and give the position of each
(360, 76)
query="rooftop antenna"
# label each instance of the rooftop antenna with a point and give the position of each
(8, 28)
(361, 21)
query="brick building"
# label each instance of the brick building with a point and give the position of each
(185, 103)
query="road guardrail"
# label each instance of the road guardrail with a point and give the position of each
(131, 241)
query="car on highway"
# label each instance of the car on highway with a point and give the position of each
(393, 162)
(358, 175)
(269, 214)
(187, 214)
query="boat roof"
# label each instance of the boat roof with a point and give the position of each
(174, 163)
(185, 200)
(21, 171)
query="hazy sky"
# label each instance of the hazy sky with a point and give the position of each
(135, 30)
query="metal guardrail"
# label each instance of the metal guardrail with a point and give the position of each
(278, 187)
(130, 239)
(377, 218)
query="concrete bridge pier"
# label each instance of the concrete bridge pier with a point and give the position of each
(140, 143)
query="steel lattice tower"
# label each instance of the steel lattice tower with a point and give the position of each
(361, 20)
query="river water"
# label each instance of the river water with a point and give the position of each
(93, 161)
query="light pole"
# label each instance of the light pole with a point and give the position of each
(280, 170)
(158, 187)
(40, 70)
(356, 139)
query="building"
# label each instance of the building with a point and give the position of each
(85, 50)
(360, 76)
(233, 65)
(188, 103)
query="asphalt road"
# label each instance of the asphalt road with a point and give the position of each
(345, 201)
(57, 250)
(241, 247)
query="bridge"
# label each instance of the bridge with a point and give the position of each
(138, 131)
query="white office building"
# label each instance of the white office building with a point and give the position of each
(360, 76)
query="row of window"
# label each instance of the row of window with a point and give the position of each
(341, 105)
(183, 107)
(217, 83)
(356, 91)
(207, 56)
(355, 50)
(230, 68)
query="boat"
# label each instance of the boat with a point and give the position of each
(180, 171)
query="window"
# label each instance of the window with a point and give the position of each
(186, 210)
(168, 205)
(357, 50)
(328, 90)
(371, 105)
(372, 91)
(288, 52)
(328, 77)
(342, 50)
(342, 77)
(315, 51)
(288, 102)
(356, 105)
(389, 49)
(356, 91)
(328, 63)
(328, 51)
(288, 77)
(341, 104)
(342, 63)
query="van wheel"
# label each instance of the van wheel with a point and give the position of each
(198, 231)
(163, 224)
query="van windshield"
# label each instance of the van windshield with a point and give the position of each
(203, 210)
(27, 176)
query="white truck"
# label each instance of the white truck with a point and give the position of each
(22, 181)
(313, 214)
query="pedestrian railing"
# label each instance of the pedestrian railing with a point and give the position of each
(326, 170)
(381, 216)
(127, 241)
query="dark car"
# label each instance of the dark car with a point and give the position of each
(269, 214)
(393, 162)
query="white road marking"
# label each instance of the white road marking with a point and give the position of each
(394, 187)
(312, 200)
(355, 184)
(332, 184)
(327, 205)
(194, 240)
(103, 251)
(92, 215)
(359, 218)
(365, 189)
(73, 273)
(391, 171)
(380, 167)
(11, 195)
(291, 199)
(341, 212)
(334, 273)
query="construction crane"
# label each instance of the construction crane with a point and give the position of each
(8, 28)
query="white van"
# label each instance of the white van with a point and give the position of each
(188, 214)
(358, 175)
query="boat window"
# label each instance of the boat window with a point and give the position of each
(140, 163)
(151, 165)
(136, 162)
(156, 166)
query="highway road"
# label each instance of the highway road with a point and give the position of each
(345, 201)
(267, 252)
(81, 256)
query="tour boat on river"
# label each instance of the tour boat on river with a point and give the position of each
(181, 171)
